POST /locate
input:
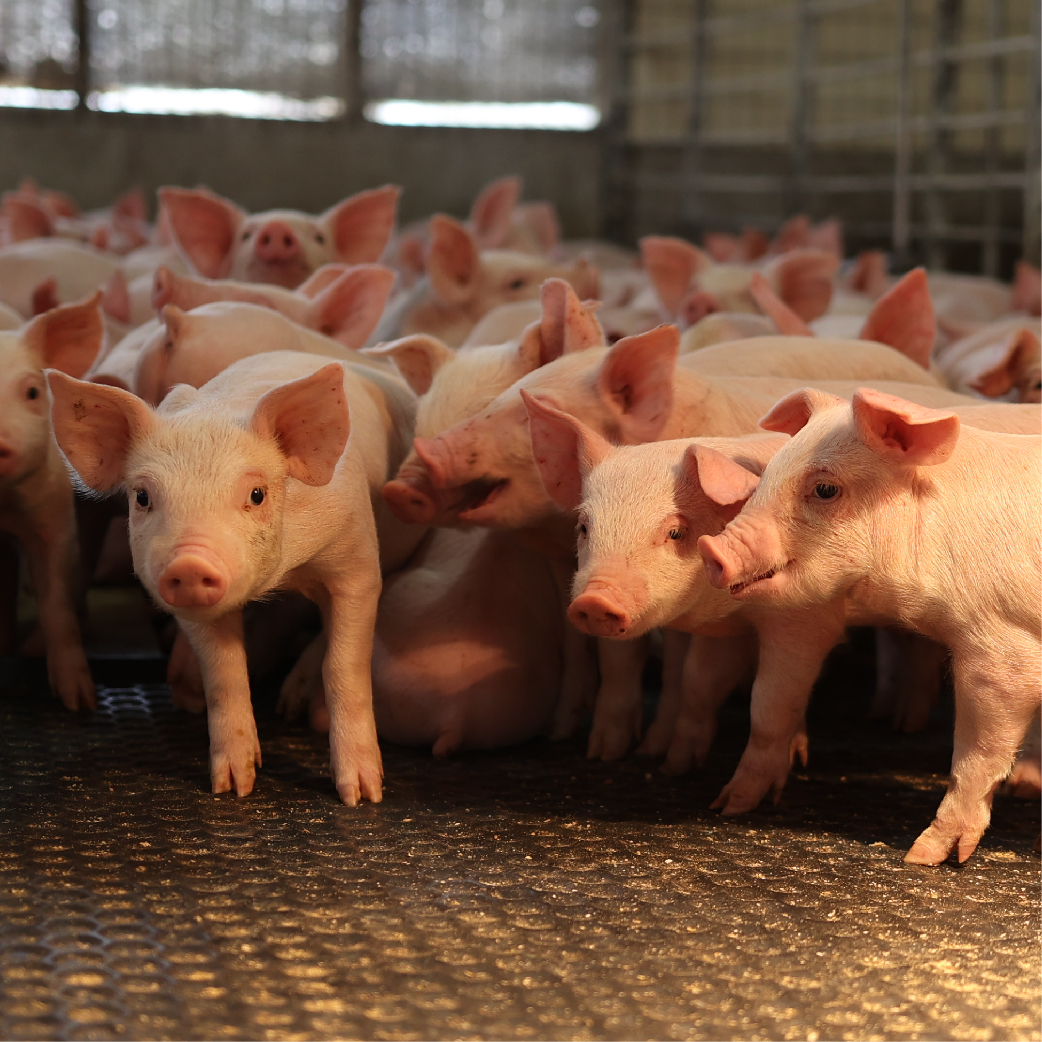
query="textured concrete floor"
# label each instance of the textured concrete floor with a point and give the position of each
(523, 894)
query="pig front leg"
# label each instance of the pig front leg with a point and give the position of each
(713, 668)
(184, 677)
(52, 563)
(996, 695)
(793, 646)
(354, 753)
(660, 733)
(617, 709)
(235, 752)
(578, 683)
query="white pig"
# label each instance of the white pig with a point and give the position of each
(264, 479)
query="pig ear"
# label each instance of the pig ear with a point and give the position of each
(567, 325)
(1022, 350)
(410, 254)
(636, 379)
(174, 319)
(204, 226)
(754, 244)
(903, 317)
(785, 320)
(309, 419)
(26, 217)
(585, 278)
(792, 412)
(320, 278)
(541, 219)
(722, 246)
(671, 265)
(904, 432)
(794, 234)
(116, 300)
(452, 260)
(565, 450)
(726, 484)
(361, 226)
(1027, 289)
(869, 273)
(349, 308)
(163, 283)
(491, 212)
(95, 426)
(803, 280)
(131, 204)
(418, 358)
(68, 337)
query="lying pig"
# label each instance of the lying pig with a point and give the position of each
(264, 479)
(339, 301)
(76, 270)
(284, 247)
(463, 284)
(872, 507)
(36, 495)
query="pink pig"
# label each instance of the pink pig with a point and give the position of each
(830, 531)
(36, 494)
(264, 479)
(338, 300)
(465, 283)
(285, 247)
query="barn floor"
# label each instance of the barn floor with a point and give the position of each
(525, 893)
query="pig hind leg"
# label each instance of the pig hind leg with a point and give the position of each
(674, 651)
(302, 689)
(1025, 780)
(996, 695)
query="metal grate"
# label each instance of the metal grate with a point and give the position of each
(489, 50)
(37, 44)
(915, 120)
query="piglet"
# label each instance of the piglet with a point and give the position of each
(876, 507)
(36, 494)
(262, 480)
(284, 247)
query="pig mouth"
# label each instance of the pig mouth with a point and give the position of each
(480, 494)
(738, 589)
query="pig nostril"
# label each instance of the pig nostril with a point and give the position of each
(287, 241)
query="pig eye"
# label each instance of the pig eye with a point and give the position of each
(141, 497)
(823, 490)
(33, 393)
(257, 497)
(246, 235)
(320, 238)
(581, 528)
(516, 284)
(676, 533)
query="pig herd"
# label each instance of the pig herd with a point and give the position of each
(462, 478)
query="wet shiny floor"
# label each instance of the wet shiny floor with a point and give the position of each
(524, 893)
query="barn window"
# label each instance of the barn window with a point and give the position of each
(512, 63)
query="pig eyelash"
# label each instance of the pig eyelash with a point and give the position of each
(676, 533)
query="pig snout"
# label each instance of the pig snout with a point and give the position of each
(741, 557)
(192, 580)
(409, 500)
(276, 243)
(8, 459)
(720, 566)
(599, 613)
(698, 305)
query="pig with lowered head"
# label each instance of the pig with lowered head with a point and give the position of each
(264, 479)
(882, 504)
(36, 494)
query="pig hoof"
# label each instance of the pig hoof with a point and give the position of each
(235, 771)
(77, 693)
(607, 745)
(799, 749)
(656, 742)
(938, 841)
(318, 715)
(353, 792)
(359, 776)
(446, 744)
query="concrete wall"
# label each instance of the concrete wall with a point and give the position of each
(262, 163)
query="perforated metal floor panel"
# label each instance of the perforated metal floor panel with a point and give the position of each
(519, 894)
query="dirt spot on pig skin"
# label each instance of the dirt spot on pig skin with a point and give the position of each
(79, 410)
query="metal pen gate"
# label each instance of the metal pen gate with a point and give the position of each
(914, 121)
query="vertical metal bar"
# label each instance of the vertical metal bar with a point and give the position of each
(81, 16)
(802, 95)
(945, 78)
(993, 145)
(691, 212)
(903, 140)
(354, 100)
(618, 187)
(1032, 159)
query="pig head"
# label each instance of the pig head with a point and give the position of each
(285, 247)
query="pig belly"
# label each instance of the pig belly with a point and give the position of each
(467, 652)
